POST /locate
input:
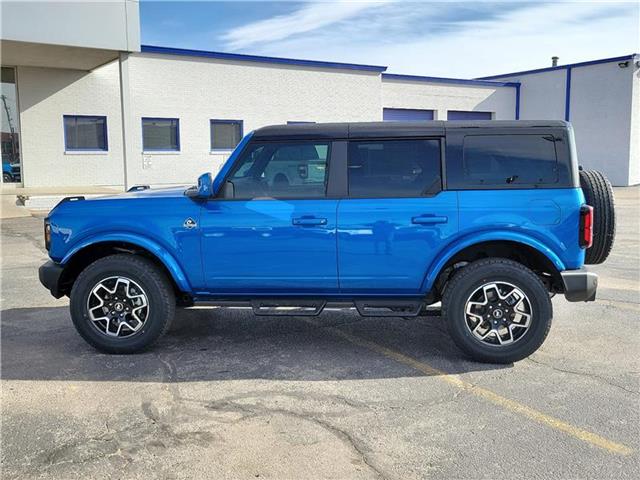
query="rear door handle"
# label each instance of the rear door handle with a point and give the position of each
(429, 219)
(309, 221)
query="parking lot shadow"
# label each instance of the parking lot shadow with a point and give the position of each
(229, 344)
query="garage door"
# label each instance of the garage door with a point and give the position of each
(404, 114)
(462, 115)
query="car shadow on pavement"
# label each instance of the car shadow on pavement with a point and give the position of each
(231, 344)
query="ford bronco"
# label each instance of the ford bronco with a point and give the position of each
(485, 221)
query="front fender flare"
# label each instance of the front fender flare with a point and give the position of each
(152, 247)
(494, 236)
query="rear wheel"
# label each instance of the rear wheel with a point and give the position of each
(6, 177)
(122, 303)
(599, 194)
(497, 310)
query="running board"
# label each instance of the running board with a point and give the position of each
(388, 308)
(288, 308)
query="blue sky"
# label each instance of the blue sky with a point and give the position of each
(439, 38)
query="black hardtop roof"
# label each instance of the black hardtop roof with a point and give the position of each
(391, 129)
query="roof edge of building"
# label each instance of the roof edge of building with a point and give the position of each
(458, 81)
(260, 58)
(562, 67)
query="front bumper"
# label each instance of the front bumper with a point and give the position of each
(49, 274)
(579, 285)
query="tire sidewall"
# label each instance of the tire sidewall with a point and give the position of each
(540, 320)
(154, 325)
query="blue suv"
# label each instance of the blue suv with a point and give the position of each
(488, 219)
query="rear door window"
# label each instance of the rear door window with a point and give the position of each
(394, 168)
(509, 160)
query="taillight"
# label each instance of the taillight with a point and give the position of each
(586, 226)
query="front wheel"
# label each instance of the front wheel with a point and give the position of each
(122, 303)
(497, 310)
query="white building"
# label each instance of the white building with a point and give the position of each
(94, 108)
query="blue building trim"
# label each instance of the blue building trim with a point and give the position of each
(561, 67)
(455, 81)
(259, 58)
(567, 96)
(518, 102)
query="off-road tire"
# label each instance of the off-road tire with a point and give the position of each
(467, 280)
(599, 194)
(154, 282)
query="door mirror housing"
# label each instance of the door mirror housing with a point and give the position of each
(205, 186)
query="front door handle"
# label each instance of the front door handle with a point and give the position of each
(429, 219)
(309, 221)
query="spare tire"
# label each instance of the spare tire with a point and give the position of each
(599, 194)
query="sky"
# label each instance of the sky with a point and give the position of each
(444, 38)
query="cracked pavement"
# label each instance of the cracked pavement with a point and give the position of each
(226, 394)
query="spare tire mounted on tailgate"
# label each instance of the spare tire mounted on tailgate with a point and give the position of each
(599, 194)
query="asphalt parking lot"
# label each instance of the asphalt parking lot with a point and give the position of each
(226, 394)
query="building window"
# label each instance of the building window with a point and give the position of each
(160, 134)
(85, 133)
(473, 115)
(225, 134)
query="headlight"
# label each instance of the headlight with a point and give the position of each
(47, 234)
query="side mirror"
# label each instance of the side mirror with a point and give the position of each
(205, 185)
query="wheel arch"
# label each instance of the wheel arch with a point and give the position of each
(91, 249)
(526, 250)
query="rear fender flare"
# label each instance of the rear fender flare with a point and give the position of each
(460, 244)
(152, 247)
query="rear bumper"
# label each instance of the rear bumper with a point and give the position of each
(49, 274)
(579, 285)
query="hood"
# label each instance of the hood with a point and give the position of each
(170, 192)
(80, 204)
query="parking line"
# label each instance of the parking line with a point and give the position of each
(512, 405)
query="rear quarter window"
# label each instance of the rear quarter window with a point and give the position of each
(508, 160)
(499, 160)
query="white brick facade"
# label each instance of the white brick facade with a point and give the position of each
(603, 107)
(196, 90)
(441, 97)
(605, 103)
(44, 96)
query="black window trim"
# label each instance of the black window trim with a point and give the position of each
(428, 194)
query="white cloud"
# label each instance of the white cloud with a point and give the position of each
(308, 18)
(463, 40)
